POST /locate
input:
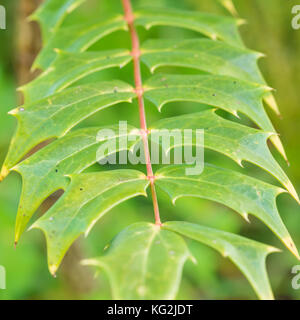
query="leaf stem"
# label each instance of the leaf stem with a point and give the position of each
(129, 17)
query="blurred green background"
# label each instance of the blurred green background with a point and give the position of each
(268, 30)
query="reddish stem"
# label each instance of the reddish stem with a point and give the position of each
(129, 17)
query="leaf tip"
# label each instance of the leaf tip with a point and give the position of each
(4, 173)
(292, 191)
(241, 22)
(193, 259)
(245, 215)
(278, 144)
(53, 269)
(271, 102)
(13, 112)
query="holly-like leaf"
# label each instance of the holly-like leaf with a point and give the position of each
(210, 25)
(79, 65)
(144, 262)
(239, 192)
(86, 36)
(216, 57)
(46, 171)
(248, 255)
(236, 141)
(88, 197)
(52, 13)
(223, 92)
(54, 116)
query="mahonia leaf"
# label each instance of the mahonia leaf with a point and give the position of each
(215, 57)
(223, 92)
(239, 192)
(88, 197)
(248, 255)
(46, 171)
(54, 116)
(51, 14)
(86, 36)
(212, 56)
(144, 262)
(79, 65)
(236, 141)
(212, 26)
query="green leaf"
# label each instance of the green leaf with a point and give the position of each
(215, 57)
(86, 36)
(51, 14)
(210, 25)
(46, 171)
(211, 56)
(223, 92)
(54, 116)
(248, 255)
(239, 192)
(86, 200)
(79, 65)
(230, 138)
(144, 262)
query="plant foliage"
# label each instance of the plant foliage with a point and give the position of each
(145, 261)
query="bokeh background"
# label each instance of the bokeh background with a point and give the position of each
(268, 30)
